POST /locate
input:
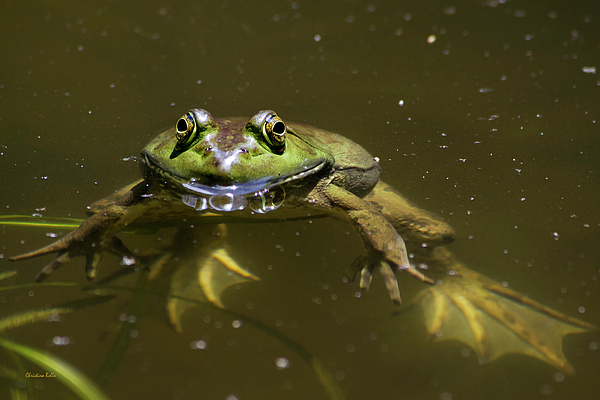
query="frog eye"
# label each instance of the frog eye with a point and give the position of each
(190, 126)
(185, 129)
(273, 131)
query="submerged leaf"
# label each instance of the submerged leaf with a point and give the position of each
(40, 222)
(67, 374)
(29, 317)
(37, 285)
(32, 316)
(7, 274)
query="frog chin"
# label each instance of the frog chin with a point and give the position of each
(238, 189)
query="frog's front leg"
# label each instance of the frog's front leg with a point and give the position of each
(386, 249)
(417, 226)
(93, 236)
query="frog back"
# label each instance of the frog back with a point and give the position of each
(354, 169)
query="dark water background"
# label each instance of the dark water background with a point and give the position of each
(494, 125)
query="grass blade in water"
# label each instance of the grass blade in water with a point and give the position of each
(68, 375)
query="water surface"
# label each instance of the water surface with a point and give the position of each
(486, 113)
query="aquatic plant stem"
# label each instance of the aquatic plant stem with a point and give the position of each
(115, 355)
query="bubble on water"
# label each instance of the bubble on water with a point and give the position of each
(282, 363)
(446, 396)
(546, 389)
(559, 377)
(198, 345)
(589, 70)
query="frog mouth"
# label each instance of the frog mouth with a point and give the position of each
(250, 187)
(200, 185)
(262, 195)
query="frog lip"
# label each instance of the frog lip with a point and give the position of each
(240, 188)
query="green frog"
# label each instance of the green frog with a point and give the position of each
(207, 169)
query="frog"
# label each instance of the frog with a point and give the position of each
(235, 169)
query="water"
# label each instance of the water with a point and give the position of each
(486, 113)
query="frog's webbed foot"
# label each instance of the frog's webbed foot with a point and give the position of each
(366, 267)
(203, 279)
(494, 320)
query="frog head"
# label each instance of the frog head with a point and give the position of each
(231, 157)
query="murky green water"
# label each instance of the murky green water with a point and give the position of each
(492, 123)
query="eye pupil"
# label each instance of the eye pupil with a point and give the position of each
(279, 127)
(182, 125)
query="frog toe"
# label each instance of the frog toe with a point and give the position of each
(391, 283)
(92, 260)
(412, 271)
(367, 268)
(59, 246)
(61, 259)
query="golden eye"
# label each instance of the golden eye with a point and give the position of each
(274, 132)
(191, 127)
(185, 129)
